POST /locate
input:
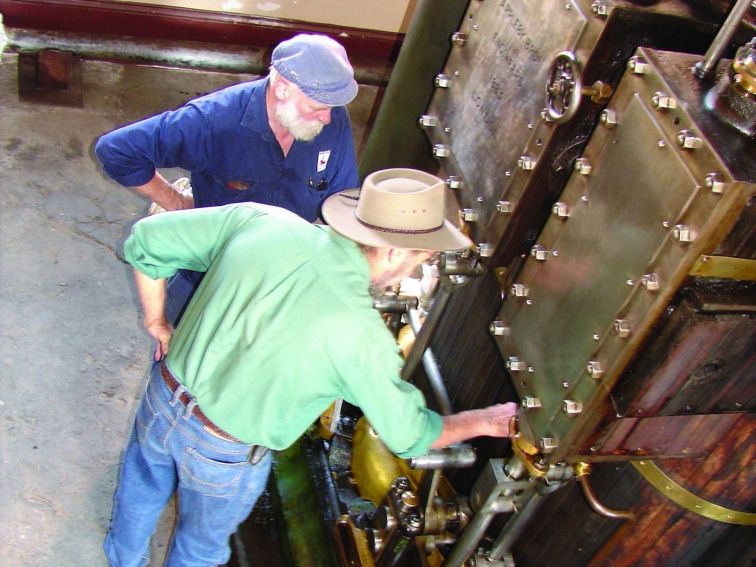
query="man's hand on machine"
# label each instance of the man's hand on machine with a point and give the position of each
(492, 421)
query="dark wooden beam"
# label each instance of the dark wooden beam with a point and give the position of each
(103, 17)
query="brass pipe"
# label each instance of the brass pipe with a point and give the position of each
(583, 471)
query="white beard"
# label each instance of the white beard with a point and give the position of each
(302, 130)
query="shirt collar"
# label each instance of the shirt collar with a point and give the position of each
(256, 114)
(352, 251)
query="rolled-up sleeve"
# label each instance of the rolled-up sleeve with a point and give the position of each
(160, 245)
(395, 409)
(178, 138)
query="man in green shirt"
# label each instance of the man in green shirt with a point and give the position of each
(281, 326)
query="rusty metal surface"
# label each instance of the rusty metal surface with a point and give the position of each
(488, 115)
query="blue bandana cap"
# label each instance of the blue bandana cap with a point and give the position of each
(318, 65)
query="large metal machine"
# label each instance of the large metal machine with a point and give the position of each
(601, 156)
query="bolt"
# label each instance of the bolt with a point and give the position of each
(714, 182)
(545, 115)
(514, 364)
(595, 369)
(454, 182)
(443, 81)
(683, 233)
(427, 121)
(459, 38)
(470, 215)
(531, 402)
(608, 118)
(504, 207)
(637, 65)
(560, 210)
(484, 249)
(621, 328)
(548, 444)
(498, 328)
(520, 290)
(688, 140)
(599, 8)
(650, 282)
(526, 163)
(583, 166)
(571, 407)
(441, 151)
(539, 252)
(662, 101)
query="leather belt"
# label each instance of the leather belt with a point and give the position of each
(173, 385)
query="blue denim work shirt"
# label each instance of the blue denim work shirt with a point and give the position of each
(225, 141)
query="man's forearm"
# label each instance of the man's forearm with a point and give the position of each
(164, 194)
(492, 421)
(152, 296)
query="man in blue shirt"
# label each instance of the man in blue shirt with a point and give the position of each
(283, 140)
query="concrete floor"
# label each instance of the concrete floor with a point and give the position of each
(74, 355)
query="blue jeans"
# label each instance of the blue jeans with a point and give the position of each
(170, 450)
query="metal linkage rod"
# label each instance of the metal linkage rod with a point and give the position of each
(706, 68)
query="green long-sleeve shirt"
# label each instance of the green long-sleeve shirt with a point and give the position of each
(281, 325)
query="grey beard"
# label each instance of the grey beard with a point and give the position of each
(301, 130)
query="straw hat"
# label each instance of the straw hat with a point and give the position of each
(396, 208)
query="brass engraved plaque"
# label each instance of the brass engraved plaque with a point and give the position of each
(497, 72)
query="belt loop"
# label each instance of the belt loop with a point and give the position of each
(256, 454)
(189, 409)
(176, 395)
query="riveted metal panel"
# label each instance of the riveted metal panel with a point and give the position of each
(486, 117)
(492, 102)
(599, 278)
